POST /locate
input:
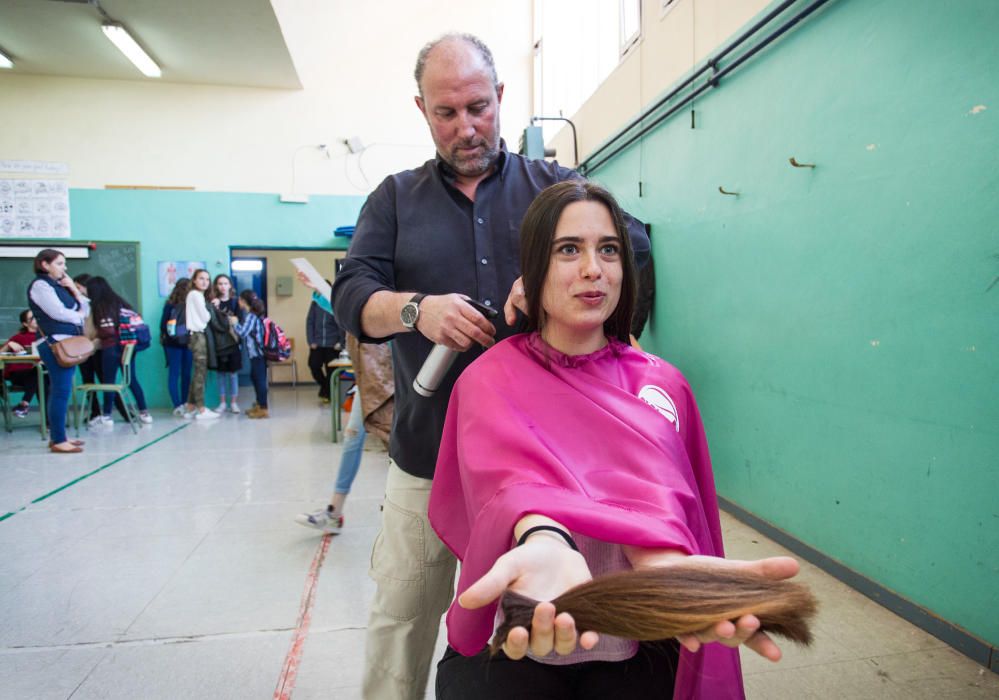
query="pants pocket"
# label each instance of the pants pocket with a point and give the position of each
(397, 564)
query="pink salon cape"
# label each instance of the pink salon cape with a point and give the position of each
(609, 444)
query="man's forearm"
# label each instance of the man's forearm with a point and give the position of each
(380, 316)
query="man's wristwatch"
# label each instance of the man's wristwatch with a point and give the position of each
(411, 311)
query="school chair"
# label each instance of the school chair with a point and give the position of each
(340, 370)
(122, 389)
(290, 363)
(7, 402)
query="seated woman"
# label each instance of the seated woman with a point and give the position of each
(23, 376)
(570, 428)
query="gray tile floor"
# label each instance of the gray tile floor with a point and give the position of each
(176, 572)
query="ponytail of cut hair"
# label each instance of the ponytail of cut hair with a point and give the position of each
(663, 602)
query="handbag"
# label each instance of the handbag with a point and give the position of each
(72, 351)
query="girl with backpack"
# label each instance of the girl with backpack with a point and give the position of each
(174, 339)
(116, 323)
(228, 363)
(251, 329)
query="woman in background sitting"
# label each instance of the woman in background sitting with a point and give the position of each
(22, 376)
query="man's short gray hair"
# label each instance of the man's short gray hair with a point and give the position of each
(480, 46)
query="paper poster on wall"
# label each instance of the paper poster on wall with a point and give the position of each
(169, 271)
(34, 208)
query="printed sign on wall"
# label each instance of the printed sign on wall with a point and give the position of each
(169, 271)
(34, 208)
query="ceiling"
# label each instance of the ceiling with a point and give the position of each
(219, 42)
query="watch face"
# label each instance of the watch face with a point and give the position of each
(409, 313)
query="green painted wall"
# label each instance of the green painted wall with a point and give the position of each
(836, 323)
(199, 226)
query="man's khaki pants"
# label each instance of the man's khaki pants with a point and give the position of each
(414, 572)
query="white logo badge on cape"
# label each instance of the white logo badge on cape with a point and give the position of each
(660, 400)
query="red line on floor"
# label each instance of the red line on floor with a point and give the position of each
(289, 672)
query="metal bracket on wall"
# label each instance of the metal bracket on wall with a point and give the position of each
(724, 191)
(796, 164)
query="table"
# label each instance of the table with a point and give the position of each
(8, 359)
(339, 368)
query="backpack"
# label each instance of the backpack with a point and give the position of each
(276, 347)
(176, 326)
(132, 329)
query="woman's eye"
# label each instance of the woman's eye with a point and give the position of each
(567, 249)
(609, 249)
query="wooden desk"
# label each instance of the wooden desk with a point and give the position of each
(6, 359)
(338, 368)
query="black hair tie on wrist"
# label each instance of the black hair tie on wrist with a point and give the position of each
(538, 528)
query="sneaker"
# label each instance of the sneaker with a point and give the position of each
(21, 411)
(220, 408)
(179, 411)
(145, 418)
(101, 421)
(258, 413)
(207, 414)
(234, 408)
(326, 520)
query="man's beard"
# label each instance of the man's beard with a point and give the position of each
(473, 166)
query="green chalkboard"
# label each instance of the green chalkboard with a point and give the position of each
(116, 261)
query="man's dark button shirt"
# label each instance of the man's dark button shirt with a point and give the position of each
(417, 232)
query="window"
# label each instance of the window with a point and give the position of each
(631, 24)
(577, 44)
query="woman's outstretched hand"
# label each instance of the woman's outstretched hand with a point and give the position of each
(745, 630)
(542, 568)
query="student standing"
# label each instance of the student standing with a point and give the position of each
(326, 340)
(22, 375)
(229, 363)
(111, 313)
(251, 329)
(198, 316)
(60, 310)
(174, 338)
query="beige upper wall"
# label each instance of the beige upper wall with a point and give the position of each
(671, 44)
(355, 61)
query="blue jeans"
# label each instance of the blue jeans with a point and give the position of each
(228, 385)
(179, 362)
(258, 373)
(353, 445)
(110, 364)
(62, 387)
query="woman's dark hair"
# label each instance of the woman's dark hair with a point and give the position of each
(46, 255)
(23, 318)
(82, 278)
(179, 293)
(232, 285)
(210, 292)
(255, 303)
(537, 233)
(663, 602)
(104, 301)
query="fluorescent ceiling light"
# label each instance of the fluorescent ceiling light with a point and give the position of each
(247, 265)
(120, 37)
(4, 61)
